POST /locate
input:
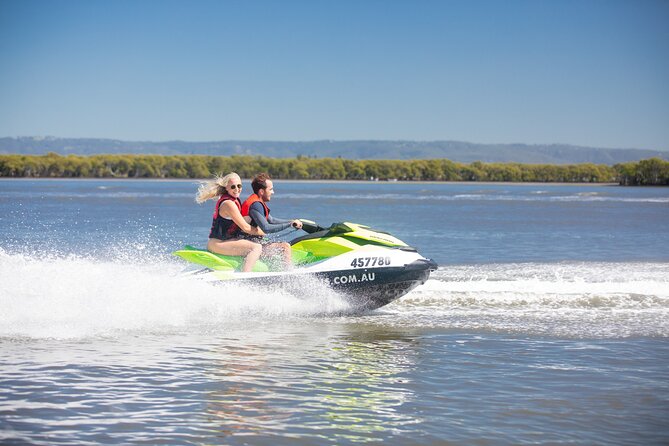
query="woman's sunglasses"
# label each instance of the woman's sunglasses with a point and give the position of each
(236, 186)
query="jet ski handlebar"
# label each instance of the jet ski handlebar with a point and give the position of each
(310, 226)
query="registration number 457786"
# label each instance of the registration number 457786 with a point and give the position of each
(364, 262)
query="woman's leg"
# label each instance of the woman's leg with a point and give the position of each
(252, 257)
(246, 248)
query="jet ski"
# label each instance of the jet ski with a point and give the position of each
(368, 267)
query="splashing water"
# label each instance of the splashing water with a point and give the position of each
(73, 296)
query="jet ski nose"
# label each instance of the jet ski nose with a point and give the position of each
(424, 265)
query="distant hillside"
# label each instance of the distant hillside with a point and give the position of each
(463, 152)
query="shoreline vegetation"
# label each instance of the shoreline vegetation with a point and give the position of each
(649, 172)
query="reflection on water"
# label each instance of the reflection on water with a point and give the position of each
(337, 383)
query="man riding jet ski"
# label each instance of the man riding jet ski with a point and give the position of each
(369, 268)
(255, 207)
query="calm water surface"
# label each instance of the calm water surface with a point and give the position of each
(546, 323)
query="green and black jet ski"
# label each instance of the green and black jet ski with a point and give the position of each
(369, 268)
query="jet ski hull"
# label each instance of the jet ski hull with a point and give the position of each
(372, 289)
(363, 289)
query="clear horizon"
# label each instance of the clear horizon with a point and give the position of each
(589, 73)
(167, 141)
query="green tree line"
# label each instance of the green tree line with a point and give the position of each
(653, 171)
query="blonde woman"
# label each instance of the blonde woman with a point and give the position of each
(225, 235)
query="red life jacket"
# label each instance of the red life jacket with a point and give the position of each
(246, 207)
(223, 228)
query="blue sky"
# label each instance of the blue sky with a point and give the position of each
(587, 72)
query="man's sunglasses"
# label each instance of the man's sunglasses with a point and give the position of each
(236, 186)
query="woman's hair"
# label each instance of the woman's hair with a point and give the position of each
(213, 188)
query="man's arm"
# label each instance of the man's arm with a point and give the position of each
(257, 213)
(274, 220)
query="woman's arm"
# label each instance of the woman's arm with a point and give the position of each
(229, 210)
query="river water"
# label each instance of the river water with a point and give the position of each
(547, 321)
